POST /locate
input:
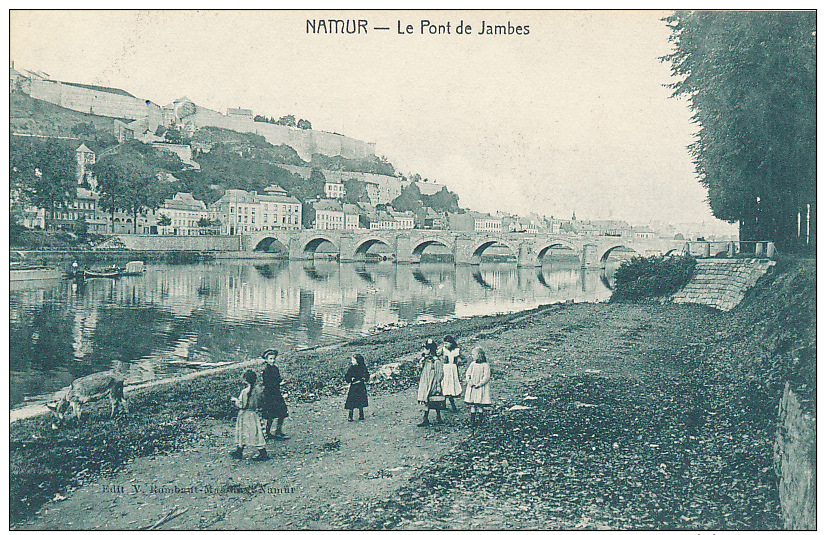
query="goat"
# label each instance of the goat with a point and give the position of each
(90, 388)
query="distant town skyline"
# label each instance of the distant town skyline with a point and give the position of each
(571, 117)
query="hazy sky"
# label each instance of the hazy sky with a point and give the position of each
(571, 117)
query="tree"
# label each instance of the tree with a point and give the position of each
(128, 180)
(409, 199)
(442, 201)
(164, 221)
(42, 171)
(750, 80)
(355, 191)
(307, 215)
(173, 135)
(287, 120)
(304, 124)
(206, 223)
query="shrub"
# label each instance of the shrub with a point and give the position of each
(654, 276)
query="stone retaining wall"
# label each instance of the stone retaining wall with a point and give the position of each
(152, 242)
(796, 463)
(722, 282)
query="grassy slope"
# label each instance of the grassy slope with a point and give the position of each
(32, 116)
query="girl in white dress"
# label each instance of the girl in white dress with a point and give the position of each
(451, 386)
(477, 394)
(248, 430)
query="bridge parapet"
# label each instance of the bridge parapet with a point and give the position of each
(407, 246)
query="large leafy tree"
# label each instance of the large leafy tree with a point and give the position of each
(355, 191)
(442, 201)
(750, 79)
(129, 179)
(42, 171)
(409, 199)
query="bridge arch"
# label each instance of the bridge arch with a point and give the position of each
(266, 243)
(310, 245)
(545, 247)
(420, 245)
(479, 248)
(364, 245)
(603, 258)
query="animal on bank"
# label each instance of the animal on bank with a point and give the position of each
(91, 388)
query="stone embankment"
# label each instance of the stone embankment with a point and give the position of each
(796, 463)
(722, 282)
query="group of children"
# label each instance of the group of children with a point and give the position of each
(438, 383)
(439, 380)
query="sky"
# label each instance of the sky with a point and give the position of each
(571, 117)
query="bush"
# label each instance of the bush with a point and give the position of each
(654, 276)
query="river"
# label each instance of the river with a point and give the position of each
(175, 319)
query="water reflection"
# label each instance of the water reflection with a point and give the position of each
(179, 317)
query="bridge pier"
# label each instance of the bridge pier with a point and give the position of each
(463, 252)
(404, 250)
(347, 249)
(527, 256)
(590, 257)
(296, 251)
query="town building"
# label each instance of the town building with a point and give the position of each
(85, 158)
(403, 220)
(352, 215)
(392, 220)
(329, 215)
(382, 221)
(474, 222)
(431, 219)
(333, 188)
(186, 216)
(279, 211)
(242, 212)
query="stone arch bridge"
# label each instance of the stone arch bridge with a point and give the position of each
(407, 246)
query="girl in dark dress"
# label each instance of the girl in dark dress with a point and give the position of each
(357, 376)
(273, 406)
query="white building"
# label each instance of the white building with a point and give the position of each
(329, 215)
(184, 213)
(391, 220)
(242, 212)
(486, 223)
(351, 216)
(333, 188)
(278, 210)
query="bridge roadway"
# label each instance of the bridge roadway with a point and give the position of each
(407, 246)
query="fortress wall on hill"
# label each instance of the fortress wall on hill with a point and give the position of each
(305, 142)
(90, 101)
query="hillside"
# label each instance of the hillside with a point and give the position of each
(37, 117)
(228, 159)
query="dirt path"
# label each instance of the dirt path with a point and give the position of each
(332, 471)
(327, 464)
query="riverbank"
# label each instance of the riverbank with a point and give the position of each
(626, 416)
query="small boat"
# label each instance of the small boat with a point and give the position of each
(21, 272)
(134, 268)
(111, 273)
